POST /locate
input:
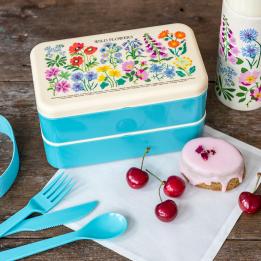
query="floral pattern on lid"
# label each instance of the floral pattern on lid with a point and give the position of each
(84, 67)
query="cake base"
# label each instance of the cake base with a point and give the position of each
(216, 186)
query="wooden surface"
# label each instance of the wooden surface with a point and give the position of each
(23, 24)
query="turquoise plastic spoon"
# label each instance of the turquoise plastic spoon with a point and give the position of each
(105, 226)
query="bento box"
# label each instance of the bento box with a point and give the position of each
(107, 97)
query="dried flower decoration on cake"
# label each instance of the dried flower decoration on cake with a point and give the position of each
(205, 153)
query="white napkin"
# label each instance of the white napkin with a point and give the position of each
(204, 220)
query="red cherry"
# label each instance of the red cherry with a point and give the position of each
(166, 211)
(137, 178)
(174, 186)
(249, 202)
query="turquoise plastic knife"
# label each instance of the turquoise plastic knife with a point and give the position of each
(54, 219)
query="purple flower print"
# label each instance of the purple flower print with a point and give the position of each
(62, 86)
(128, 66)
(155, 48)
(52, 72)
(78, 86)
(90, 76)
(228, 47)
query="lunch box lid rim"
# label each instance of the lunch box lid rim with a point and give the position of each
(193, 86)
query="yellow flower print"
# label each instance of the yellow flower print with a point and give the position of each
(115, 73)
(103, 68)
(101, 78)
(183, 62)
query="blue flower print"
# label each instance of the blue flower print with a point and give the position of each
(248, 35)
(78, 86)
(77, 76)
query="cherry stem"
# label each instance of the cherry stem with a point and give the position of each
(144, 155)
(162, 183)
(155, 176)
(258, 178)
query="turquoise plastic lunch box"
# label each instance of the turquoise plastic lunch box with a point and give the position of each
(107, 97)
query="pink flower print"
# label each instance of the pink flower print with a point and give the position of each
(153, 55)
(249, 77)
(128, 66)
(235, 51)
(142, 74)
(233, 40)
(52, 72)
(62, 86)
(256, 94)
(143, 63)
(232, 59)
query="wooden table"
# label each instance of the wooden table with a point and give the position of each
(25, 23)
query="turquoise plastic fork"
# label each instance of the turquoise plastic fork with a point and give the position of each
(42, 202)
(105, 226)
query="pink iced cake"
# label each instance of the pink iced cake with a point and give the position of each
(212, 164)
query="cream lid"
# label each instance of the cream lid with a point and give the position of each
(117, 70)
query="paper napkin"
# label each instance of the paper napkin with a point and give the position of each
(204, 220)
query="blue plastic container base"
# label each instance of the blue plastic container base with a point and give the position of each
(121, 146)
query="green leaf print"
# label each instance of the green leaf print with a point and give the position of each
(180, 73)
(103, 85)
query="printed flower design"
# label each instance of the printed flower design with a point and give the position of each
(82, 58)
(109, 77)
(250, 51)
(114, 73)
(90, 50)
(128, 66)
(225, 83)
(248, 35)
(248, 78)
(52, 72)
(163, 34)
(162, 71)
(134, 49)
(180, 35)
(111, 53)
(76, 61)
(78, 86)
(155, 49)
(184, 64)
(55, 76)
(75, 48)
(256, 94)
(84, 81)
(176, 42)
(228, 47)
(142, 74)
(248, 58)
(62, 86)
(50, 52)
(86, 67)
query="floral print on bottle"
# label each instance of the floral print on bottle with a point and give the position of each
(239, 65)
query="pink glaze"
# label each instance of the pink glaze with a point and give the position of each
(227, 162)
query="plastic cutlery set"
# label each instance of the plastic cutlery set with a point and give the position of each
(105, 226)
